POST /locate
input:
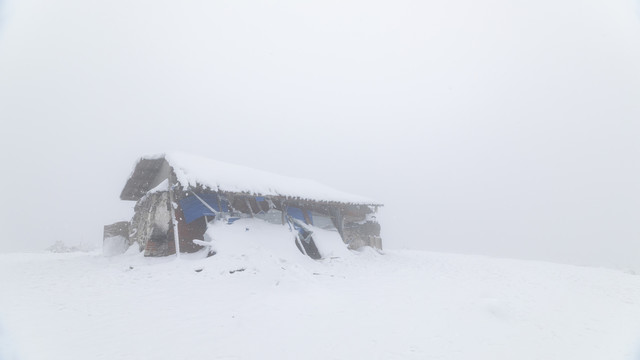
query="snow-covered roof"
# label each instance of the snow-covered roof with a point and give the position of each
(192, 170)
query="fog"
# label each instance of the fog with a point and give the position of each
(498, 127)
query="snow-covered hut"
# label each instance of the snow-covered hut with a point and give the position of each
(204, 190)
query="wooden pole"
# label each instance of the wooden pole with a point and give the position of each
(176, 235)
(214, 211)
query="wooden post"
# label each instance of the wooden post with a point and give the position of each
(246, 201)
(176, 236)
(215, 213)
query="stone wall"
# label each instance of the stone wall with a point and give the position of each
(115, 238)
(357, 235)
(151, 224)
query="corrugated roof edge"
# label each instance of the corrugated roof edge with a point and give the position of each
(186, 179)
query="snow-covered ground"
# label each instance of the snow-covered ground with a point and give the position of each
(396, 305)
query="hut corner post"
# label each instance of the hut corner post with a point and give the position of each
(176, 238)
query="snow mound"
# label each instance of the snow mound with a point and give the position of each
(257, 245)
(255, 239)
(329, 243)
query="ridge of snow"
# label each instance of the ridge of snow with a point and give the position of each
(192, 170)
(163, 186)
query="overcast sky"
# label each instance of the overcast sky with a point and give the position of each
(501, 127)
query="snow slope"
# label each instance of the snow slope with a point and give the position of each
(400, 305)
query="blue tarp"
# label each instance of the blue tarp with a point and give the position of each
(194, 209)
(298, 213)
